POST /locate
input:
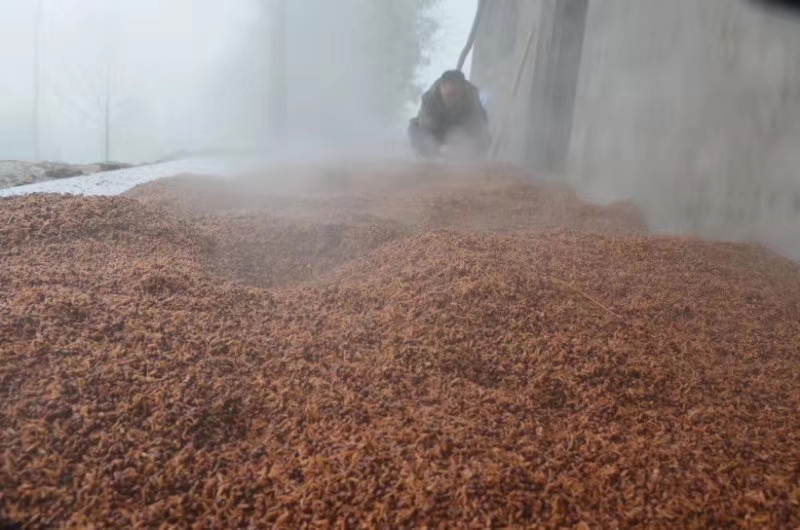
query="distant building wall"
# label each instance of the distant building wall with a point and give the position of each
(691, 108)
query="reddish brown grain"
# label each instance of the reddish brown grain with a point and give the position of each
(479, 353)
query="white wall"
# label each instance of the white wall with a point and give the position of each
(693, 110)
(690, 108)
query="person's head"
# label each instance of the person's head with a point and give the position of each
(451, 88)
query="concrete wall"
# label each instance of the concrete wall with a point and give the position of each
(691, 108)
(500, 48)
(527, 59)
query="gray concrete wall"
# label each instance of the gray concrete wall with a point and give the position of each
(556, 67)
(504, 32)
(691, 108)
(527, 58)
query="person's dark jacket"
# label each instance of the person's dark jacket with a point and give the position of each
(435, 119)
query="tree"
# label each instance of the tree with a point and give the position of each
(387, 42)
(92, 97)
(37, 36)
(398, 36)
(278, 96)
(91, 88)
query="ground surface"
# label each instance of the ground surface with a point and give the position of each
(388, 349)
(18, 173)
(112, 182)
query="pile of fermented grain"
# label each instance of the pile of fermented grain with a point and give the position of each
(425, 355)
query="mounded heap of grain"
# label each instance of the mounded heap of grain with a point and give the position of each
(424, 354)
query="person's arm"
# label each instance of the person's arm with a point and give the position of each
(428, 116)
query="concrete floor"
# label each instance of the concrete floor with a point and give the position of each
(120, 181)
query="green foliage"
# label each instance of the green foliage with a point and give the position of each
(397, 36)
(391, 39)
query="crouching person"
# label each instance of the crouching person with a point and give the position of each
(451, 118)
